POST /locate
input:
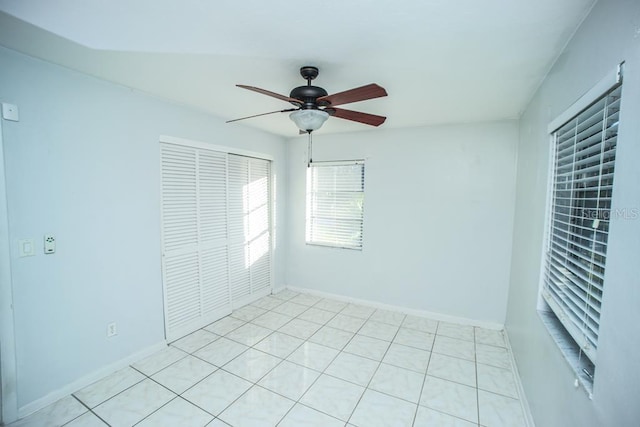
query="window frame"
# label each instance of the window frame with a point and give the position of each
(552, 316)
(333, 238)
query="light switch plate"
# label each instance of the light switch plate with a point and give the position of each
(10, 112)
(26, 247)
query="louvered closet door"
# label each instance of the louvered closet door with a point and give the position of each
(238, 229)
(259, 241)
(194, 238)
(249, 229)
(214, 265)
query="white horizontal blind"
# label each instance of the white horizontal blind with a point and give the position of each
(335, 203)
(583, 171)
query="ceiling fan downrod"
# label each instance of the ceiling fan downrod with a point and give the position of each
(307, 95)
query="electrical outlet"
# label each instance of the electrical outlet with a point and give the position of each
(112, 329)
(49, 244)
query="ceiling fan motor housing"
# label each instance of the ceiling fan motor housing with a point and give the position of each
(308, 95)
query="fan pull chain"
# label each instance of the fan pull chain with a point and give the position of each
(309, 150)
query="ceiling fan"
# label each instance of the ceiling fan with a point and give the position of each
(314, 105)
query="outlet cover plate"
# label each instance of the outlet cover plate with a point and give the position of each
(10, 112)
(112, 330)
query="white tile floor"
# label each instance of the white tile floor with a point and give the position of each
(295, 359)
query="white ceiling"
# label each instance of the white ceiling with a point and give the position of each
(441, 61)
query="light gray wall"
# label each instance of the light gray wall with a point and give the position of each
(437, 219)
(610, 34)
(83, 163)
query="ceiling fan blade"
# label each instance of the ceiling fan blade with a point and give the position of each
(362, 93)
(357, 116)
(263, 114)
(272, 94)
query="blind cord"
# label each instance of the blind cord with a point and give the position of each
(310, 160)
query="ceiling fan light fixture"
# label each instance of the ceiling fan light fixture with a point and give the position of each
(309, 120)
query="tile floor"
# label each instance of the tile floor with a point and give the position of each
(294, 360)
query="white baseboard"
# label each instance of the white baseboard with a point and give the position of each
(86, 380)
(523, 397)
(405, 310)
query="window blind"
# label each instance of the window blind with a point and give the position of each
(335, 202)
(583, 172)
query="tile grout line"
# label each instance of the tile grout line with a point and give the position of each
(426, 371)
(218, 368)
(234, 358)
(378, 368)
(305, 367)
(153, 412)
(139, 382)
(340, 351)
(323, 372)
(378, 361)
(88, 410)
(177, 395)
(255, 384)
(108, 399)
(325, 324)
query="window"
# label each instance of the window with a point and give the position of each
(335, 199)
(584, 151)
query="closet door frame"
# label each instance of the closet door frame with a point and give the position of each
(164, 139)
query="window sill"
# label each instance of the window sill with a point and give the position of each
(329, 245)
(570, 350)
